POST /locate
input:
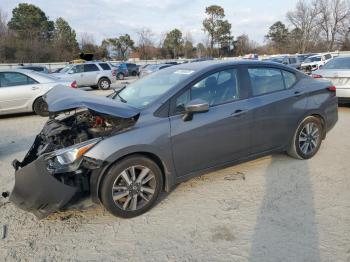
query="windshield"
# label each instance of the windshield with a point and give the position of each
(312, 59)
(338, 63)
(146, 90)
(66, 68)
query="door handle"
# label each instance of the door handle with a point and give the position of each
(35, 88)
(298, 93)
(238, 113)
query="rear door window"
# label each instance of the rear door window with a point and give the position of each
(328, 56)
(90, 68)
(105, 66)
(15, 79)
(265, 80)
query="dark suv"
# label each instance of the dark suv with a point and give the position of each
(133, 69)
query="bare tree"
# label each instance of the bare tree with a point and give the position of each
(333, 19)
(145, 43)
(304, 18)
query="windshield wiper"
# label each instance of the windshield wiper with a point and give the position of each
(121, 99)
(118, 94)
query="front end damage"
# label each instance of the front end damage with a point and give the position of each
(55, 171)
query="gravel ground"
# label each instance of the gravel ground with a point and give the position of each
(271, 209)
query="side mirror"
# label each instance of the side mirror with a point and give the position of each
(193, 107)
(285, 63)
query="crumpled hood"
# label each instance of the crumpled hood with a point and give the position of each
(60, 99)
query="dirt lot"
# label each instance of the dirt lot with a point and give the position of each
(271, 209)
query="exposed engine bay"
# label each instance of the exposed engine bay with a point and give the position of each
(71, 128)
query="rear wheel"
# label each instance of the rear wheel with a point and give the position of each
(307, 138)
(104, 84)
(120, 76)
(131, 187)
(40, 107)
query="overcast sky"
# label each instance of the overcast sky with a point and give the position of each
(111, 18)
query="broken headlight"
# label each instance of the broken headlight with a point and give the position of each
(69, 159)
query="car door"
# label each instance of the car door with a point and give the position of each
(277, 105)
(16, 90)
(90, 74)
(76, 74)
(218, 136)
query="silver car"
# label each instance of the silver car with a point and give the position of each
(94, 74)
(22, 90)
(337, 71)
(150, 69)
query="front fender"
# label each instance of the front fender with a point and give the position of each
(152, 139)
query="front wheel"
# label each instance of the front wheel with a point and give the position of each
(307, 138)
(40, 107)
(131, 186)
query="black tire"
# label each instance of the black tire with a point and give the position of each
(120, 76)
(306, 146)
(104, 83)
(134, 73)
(109, 183)
(40, 107)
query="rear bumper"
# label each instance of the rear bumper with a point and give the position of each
(343, 93)
(38, 192)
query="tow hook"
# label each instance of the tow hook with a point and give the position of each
(5, 194)
(16, 164)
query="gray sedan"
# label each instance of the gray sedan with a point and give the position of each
(22, 90)
(175, 124)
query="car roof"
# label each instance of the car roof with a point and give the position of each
(40, 77)
(198, 66)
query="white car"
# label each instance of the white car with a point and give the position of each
(314, 62)
(338, 72)
(94, 74)
(22, 90)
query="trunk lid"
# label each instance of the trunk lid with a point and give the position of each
(339, 77)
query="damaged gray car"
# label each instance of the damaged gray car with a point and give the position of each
(180, 122)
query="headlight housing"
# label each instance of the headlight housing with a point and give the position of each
(69, 159)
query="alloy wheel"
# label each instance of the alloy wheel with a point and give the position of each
(309, 138)
(133, 188)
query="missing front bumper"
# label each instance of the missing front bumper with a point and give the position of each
(38, 192)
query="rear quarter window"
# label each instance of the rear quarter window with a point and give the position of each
(289, 78)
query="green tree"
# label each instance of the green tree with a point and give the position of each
(121, 46)
(30, 20)
(278, 34)
(65, 41)
(173, 42)
(218, 29)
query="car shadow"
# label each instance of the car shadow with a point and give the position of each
(286, 228)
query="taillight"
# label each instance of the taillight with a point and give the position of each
(74, 84)
(332, 88)
(316, 76)
(114, 72)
